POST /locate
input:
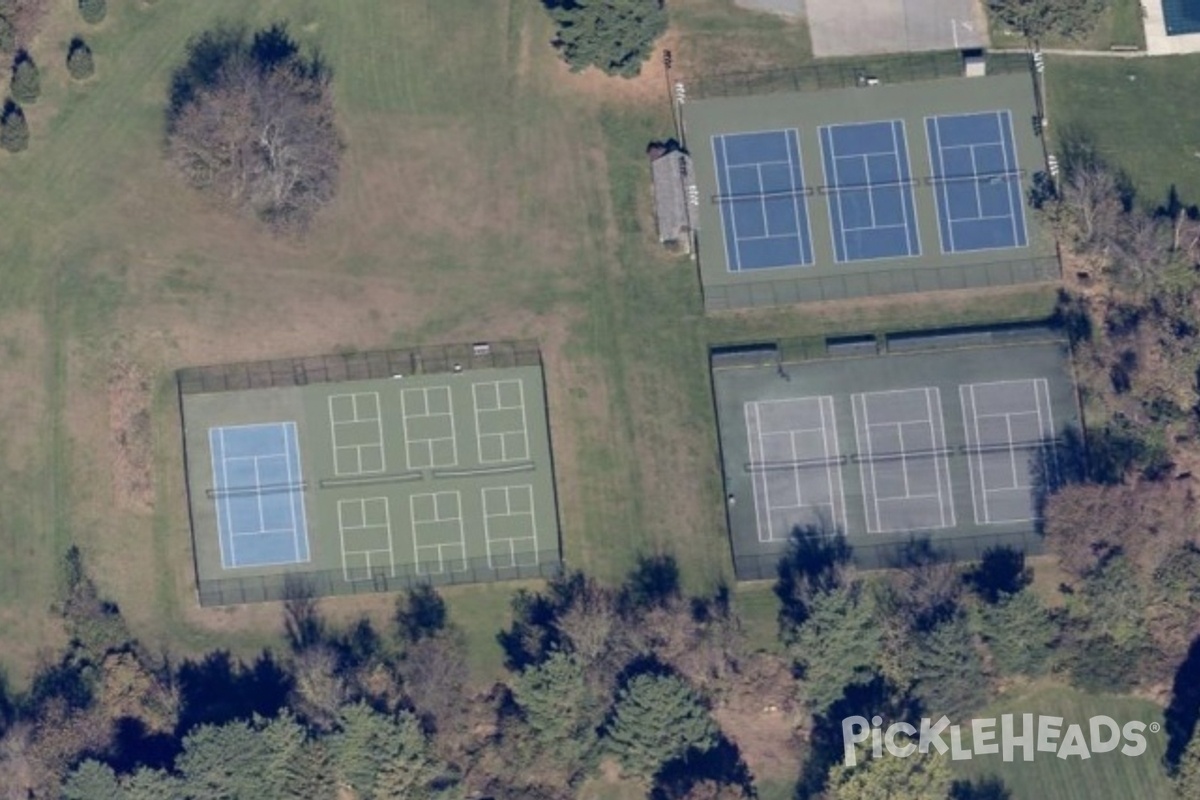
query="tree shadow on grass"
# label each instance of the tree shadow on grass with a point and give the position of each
(217, 689)
(1183, 712)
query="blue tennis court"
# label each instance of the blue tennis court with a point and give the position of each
(977, 181)
(764, 211)
(259, 494)
(869, 186)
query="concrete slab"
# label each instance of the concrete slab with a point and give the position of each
(1158, 43)
(864, 27)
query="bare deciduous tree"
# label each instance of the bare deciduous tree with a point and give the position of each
(321, 689)
(1092, 198)
(25, 17)
(258, 133)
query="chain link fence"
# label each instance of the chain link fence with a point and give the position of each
(333, 582)
(370, 365)
(842, 286)
(896, 554)
(846, 73)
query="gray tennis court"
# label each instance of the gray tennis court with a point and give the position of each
(953, 438)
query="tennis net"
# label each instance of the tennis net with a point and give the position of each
(899, 455)
(261, 489)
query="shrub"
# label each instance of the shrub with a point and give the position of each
(14, 130)
(80, 63)
(93, 11)
(8, 36)
(26, 83)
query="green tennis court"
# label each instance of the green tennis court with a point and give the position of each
(395, 468)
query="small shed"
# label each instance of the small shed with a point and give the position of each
(671, 168)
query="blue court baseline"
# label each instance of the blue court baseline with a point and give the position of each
(257, 490)
(764, 211)
(977, 179)
(872, 213)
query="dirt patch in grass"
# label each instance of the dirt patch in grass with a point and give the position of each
(22, 348)
(129, 427)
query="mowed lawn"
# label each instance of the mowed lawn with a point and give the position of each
(1104, 775)
(1137, 113)
(486, 193)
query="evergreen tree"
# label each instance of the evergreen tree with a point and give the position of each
(294, 765)
(1187, 778)
(615, 35)
(80, 62)
(223, 760)
(93, 11)
(152, 784)
(14, 130)
(561, 709)
(916, 777)
(947, 668)
(1020, 633)
(383, 757)
(839, 644)
(656, 719)
(8, 36)
(93, 780)
(26, 83)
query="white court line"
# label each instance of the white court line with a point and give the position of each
(258, 497)
(737, 253)
(487, 534)
(906, 192)
(903, 457)
(934, 443)
(825, 135)
(524, 417)
(453, 434)
(1014, 208)
(754, 476)
(975, 181)
(833, 501)
(806, 255)
(762, 449)
(987, 514)
(508, 512)
(944, 190)
(224, 481)
(795, 472)
(1046, 427)
(292, 499)
(858, 431)
(417, 547)
(933, 399)
(762, 201)
(1012, 452)
(870, 191)
(967, 427)
(478, 425)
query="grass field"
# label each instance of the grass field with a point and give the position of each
(1104, 775)
(487, 193)
(1132, 110)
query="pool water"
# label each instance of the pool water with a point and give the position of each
(1182, 16)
